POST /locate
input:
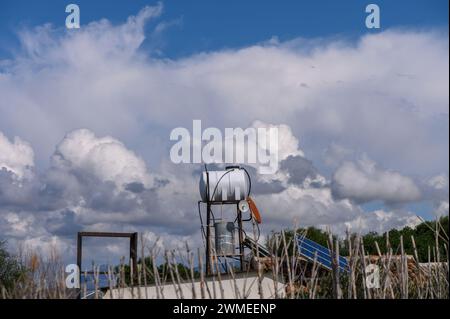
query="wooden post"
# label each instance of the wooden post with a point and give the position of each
(133, 253)
(79, 260)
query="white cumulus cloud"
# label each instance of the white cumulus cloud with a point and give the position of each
(384, 94)
(363, 182)
(16, 156)
(104, 157)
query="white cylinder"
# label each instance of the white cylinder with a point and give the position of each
(231, 185)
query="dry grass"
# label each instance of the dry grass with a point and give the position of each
(401, 276)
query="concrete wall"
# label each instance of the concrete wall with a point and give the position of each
(240, 287)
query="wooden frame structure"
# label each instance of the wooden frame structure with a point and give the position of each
(133, 247)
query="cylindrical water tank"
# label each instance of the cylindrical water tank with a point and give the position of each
(229, 185)
(224, 232)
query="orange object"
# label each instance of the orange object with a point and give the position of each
(254, 210)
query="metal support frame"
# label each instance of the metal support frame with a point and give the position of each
(241, 237)
(209, 263)
(238, 219)
(133, 247)
(208, 239)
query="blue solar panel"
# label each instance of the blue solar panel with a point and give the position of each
(313, 251)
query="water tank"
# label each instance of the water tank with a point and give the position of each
(224, 232)
(232, 185)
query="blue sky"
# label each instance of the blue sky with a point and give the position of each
(210, 25)
(86, 115)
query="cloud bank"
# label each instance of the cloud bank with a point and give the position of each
(384, 96)
(364, 182)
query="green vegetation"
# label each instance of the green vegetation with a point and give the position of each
(424, 236)
(166, 272)
(403, 277)
(10, 268)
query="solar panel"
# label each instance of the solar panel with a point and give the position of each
(314, 251)
(262, 250)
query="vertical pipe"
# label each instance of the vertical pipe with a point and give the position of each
(241, 239)
(208, 228)
(79, 259)
(208, 239)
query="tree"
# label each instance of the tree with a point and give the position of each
(424, 236)
(10, 268)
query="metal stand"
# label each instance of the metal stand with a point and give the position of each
(209, 261)
(208, 239)
(241, 237)
(210, 201)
